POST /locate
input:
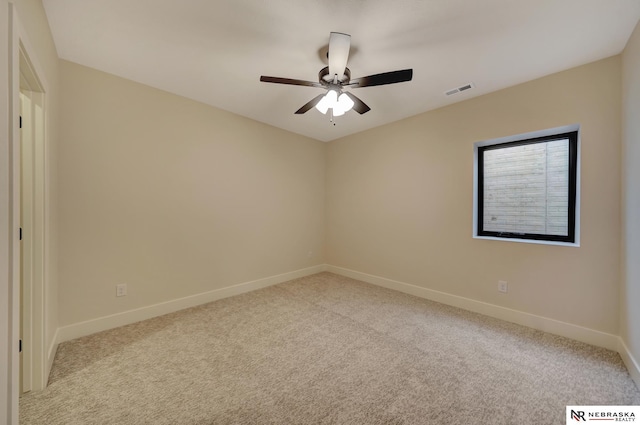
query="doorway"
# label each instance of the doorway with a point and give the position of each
(32, 220)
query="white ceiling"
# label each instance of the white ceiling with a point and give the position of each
(215, 51)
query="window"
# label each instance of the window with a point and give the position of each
(526, 187)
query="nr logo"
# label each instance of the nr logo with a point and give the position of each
(576, 416)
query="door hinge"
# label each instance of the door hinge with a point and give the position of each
(20, 121)
(21, 233)
(20, 346)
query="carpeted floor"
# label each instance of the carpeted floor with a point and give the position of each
(325, 349)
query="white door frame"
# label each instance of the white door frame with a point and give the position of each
(26, 74)
(12, 42)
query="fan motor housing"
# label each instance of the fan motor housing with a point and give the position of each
(324, 77)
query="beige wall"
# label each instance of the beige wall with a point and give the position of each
(630, 293)
(399, 200)
(38, 37)
(175, 198)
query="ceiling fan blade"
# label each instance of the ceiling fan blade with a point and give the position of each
(310, 104)
(382, 79)
(339, 45)
(358, 105)
(290, 81)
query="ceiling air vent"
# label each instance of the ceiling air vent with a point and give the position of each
(459, 89)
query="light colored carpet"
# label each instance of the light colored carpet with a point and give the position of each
(325, 349)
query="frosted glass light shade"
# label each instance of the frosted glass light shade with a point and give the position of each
(327, 101)
(337, 111)
(340, 105)
(323, 105)
(343, 105)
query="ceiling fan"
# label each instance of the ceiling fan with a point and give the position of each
(336, 77)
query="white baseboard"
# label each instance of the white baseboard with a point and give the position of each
(632, 364)
(589, 336)
(89, 327)
(51, 355)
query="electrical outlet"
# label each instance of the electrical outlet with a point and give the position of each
(121, 290)
(310, 254)
(502, 286)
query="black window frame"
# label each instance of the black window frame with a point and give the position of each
(572, 136)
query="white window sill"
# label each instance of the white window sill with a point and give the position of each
(534, 241)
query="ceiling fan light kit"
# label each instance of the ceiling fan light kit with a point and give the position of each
(338, 104)
(336, 77)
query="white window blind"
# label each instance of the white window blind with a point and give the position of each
(526, 188)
